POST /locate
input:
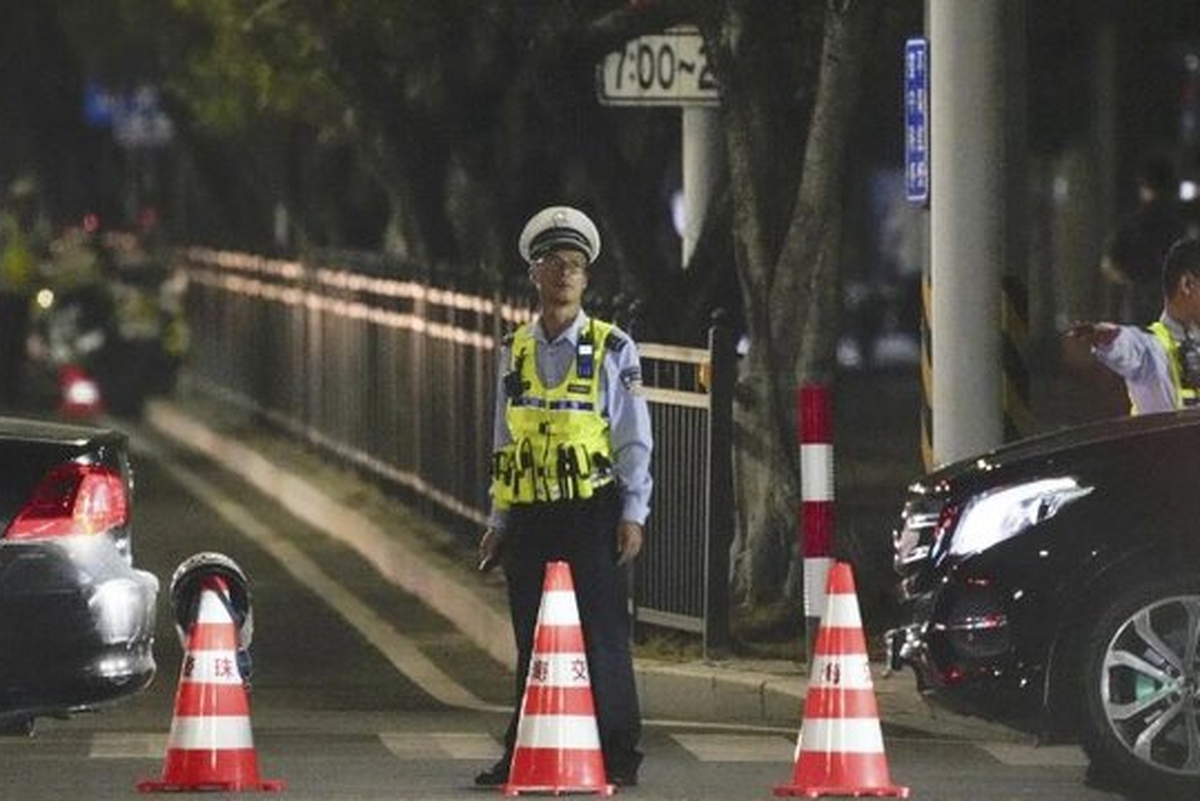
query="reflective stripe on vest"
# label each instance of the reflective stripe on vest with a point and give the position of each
(560, 448)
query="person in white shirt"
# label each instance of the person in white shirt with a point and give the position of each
(1160, 363)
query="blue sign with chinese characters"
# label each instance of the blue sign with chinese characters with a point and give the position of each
(916, 119)
(136, 116)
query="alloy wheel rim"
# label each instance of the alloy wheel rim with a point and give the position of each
(1150, 685)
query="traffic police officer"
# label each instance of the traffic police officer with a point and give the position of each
(1161, 362)
(571, 477)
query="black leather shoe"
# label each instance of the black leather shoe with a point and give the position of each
(623, 770)
(494, 776)
(623, 778)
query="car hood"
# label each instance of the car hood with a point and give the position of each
(1100, 436)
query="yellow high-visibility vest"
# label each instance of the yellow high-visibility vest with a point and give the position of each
(560, 448)
(1184, 396)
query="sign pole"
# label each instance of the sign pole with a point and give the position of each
(671, 69)
(702, 160)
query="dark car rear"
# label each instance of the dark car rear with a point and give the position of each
(76, 617)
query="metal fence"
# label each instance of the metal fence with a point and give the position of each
(397, 377)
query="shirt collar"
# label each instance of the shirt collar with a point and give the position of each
(571, 334)
(1177, 329)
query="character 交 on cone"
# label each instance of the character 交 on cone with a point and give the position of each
(558, 741)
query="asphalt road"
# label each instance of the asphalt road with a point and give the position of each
(360, 692)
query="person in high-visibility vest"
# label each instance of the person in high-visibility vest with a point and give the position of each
(17, 268)
(1160, 362)
(571, 477)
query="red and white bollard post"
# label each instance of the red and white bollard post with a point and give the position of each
(815, 418)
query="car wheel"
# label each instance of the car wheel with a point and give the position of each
(1141, 671)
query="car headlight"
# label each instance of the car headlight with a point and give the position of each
(998, 515)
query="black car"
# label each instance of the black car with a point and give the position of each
(1054, 585)
(76, 617)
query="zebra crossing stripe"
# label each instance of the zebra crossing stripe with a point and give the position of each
(127, 745)
(1019, 755)
(414, 746)
(719, 747)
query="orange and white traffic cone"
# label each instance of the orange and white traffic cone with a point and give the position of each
(557, 749)
(210, 747)
(840, 749)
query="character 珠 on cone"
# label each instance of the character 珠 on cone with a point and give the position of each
(840, 750)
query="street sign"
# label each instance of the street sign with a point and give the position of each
(916, 119)
(98, 105)
(135, 116)
(668, 69)
(139, 121)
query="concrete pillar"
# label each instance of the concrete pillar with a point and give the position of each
(967, 223)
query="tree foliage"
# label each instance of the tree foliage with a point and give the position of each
(431, 130)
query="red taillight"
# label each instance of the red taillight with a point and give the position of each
(72, 499)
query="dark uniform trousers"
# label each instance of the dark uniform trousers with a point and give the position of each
(583, 534)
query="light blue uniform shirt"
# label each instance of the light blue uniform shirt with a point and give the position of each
(621, 403)
(1137, 356)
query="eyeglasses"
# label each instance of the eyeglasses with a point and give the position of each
(562, 264)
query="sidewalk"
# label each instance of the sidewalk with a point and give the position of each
(413, 553)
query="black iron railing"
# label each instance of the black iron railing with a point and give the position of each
(398, 378)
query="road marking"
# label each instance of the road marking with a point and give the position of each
(440, 745)
(736, 747)
(401, 651)
(127, 745)
(1027, 756)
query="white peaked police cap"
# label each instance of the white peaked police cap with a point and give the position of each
(557, 227)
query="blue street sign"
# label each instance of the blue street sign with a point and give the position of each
(136, 116)
(916, 119)
(97, 105)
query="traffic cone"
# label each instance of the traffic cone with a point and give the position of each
(557, 749)
(210, 747)
(840, 748)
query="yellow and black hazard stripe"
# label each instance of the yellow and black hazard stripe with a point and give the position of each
(926, 375)
(1014, 328)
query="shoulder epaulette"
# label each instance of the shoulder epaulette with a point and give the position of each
(510, 335)
(615, 342)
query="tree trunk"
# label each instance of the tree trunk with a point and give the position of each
(790, 283)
